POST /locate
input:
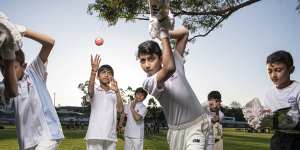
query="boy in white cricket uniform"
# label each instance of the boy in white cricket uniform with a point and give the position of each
(105, 102)
(135, 112)
(37, 123)
(283, 100)
(215, 141)
(188, 122)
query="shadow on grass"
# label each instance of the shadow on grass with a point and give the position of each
(246, 142)
(241, 146)
(247, 138)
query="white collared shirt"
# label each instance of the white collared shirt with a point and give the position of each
(103, 118)
(36, 117)
(135, 129)
(180, 104)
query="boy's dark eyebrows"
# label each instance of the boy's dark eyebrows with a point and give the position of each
(106, 70)
(142, 59)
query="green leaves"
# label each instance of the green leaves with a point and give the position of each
(199, 16)
(298, 7)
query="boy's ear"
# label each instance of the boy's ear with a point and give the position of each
(292, 69)
(160, 58)
(24, 65)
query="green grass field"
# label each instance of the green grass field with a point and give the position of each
(233, 140)
(239, 140)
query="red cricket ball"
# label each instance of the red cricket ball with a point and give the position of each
(99, 41)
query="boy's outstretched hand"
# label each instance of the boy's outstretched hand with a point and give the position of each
(95, 62)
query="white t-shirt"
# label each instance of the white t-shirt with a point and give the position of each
(289, 99)
(36, 117)
(103, 118)
(281, 98)
(135, 129)
(177, 98)
(211, 136)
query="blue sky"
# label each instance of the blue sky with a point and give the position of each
(231, 59)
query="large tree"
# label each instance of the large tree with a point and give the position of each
(235, 104)
(298, 7)
(200, 16)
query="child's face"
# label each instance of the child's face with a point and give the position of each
(212, 104)
(218, 104)
(105, 77)
(279, 73)
(20, 69)
(139, 97)
(150, 63)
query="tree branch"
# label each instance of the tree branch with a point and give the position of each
(224, 16)
(218, 12)
(211, 29)
(141, 18)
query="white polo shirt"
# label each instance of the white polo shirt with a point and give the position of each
(281, 98)
(135, 129)
(276, 99)
(179, 102)
(103, 118)
(36, 117)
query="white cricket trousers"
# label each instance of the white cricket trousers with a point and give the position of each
(189, 136)
(133, 143)
(100, 145)
(46, 145)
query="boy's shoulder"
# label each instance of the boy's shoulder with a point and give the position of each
(273, 92)
(297, 84)
(141, 104)
(149, 80)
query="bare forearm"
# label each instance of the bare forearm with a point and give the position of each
(92, 83)
(121, 120)
(39, 37)
(46, 41)
(135, 115)
(168, 63)
(168, 59)
(11, 87)
(119, 102)
(181, 35)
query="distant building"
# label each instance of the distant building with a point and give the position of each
(69, 109)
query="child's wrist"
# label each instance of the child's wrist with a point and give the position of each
(93, 73)
(164, 34)
(21, 29)
(117, 91)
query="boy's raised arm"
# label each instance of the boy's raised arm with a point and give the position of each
(95, 65)
(168, 63)
(181, 35)
(10, 78)
(46, 41)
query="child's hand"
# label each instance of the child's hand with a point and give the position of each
(132, 106)
(215, 118)
(114, 85)
(95, 62)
